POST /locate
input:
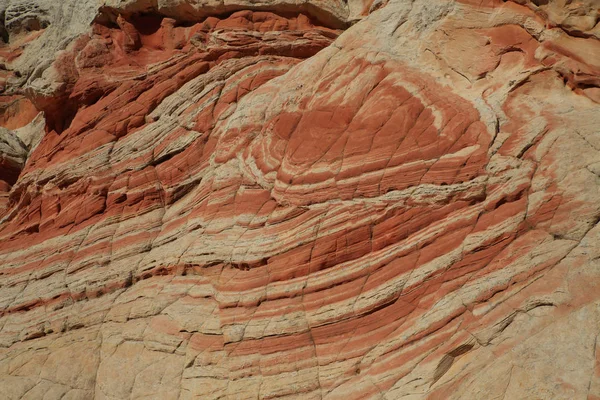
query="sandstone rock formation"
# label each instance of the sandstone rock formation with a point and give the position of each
(300, 199)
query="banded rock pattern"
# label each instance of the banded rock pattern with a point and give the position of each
(247, 201)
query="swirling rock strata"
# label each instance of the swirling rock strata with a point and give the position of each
(241, 201)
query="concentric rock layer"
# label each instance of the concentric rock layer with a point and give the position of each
(322, 200)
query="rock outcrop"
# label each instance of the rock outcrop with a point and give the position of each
(299, 199)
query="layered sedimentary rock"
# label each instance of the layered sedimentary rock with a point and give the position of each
(286, 199)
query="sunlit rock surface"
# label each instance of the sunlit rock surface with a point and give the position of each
(300, 199)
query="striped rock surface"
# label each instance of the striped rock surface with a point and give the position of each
(310, 200)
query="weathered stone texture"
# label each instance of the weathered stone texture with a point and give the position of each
(300, 199)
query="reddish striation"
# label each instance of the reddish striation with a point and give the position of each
(253, 207)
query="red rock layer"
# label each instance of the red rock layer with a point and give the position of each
(229, 216)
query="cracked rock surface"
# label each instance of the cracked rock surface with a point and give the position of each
(299, 199)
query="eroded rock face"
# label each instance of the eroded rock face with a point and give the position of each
(243, 200)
